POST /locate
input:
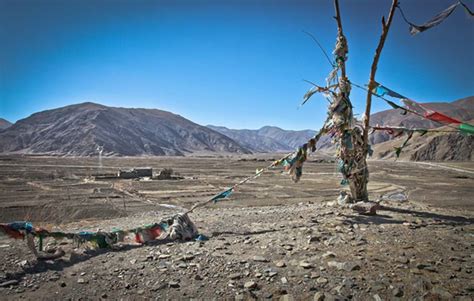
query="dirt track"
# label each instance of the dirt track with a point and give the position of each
(272, 239)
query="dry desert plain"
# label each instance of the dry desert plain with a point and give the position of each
(272, 239)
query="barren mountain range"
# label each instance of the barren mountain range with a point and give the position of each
(267, 138)
(78, 130)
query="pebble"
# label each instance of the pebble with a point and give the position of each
(250, 284)
(280, 264)
(318, 296)
(284, 280)
(397, 292)
(305, 264)
(9, 283)
(322, 280)
(260, 259)
(173, 284)
(81, 280)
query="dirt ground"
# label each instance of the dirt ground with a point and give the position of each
(273, 239)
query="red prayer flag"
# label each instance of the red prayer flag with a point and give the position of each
(436, 116)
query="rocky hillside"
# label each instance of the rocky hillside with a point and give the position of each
(267, 138)
(4, 124)
(462, 109)
(80, 129)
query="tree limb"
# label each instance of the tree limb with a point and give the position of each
(373, 70)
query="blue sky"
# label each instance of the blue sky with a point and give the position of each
(238, 64)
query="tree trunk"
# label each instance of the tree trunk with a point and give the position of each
(353, 140)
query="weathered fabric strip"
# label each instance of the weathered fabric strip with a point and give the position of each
(440, 117)
(466, 128)
(381, 90)
(439, 18)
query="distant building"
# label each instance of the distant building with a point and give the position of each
(135, 173)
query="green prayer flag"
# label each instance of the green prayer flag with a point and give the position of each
(466, 128)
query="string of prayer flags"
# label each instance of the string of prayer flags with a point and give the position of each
(222, 195)
(436, 20)
(466, 128)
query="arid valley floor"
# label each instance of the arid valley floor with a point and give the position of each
(272, 239)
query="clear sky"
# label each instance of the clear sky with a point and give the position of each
(238, 64)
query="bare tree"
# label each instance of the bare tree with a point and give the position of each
(350, 135)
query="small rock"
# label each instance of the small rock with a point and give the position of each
(280, 264)
(235, 276)
(377, 298)
(322, 280)
(260, 259)
(9, 283)
(173, 284)
(284, 280)
(82, 280)
(329, 254)
(305, 265)
(318, 296)
(287, 297)
(133, 261)
(250, 284)
(397, 292)
(198, 277)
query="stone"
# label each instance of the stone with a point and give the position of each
(250, 285)
(235, 276)
(322, 280)
(305, 264)
(397, 292)
(173, 284)
(280, 264)
(284, 280)
(9, 283)
(318, 296)
(260, 259)
(198, 277)
(377, 297)
(329, 254)
(287, 297)
(82, 281)
(369, 208)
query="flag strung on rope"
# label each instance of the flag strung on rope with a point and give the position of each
(223, 195)
(429, 114)
(381, 90)
(440, 117)
(436, 20)
(399, 149)
(466, 128)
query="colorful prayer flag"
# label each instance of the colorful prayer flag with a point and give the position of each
(440, 117)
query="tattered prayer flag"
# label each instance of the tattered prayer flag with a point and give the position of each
(308, 94)
(222, 195)
(467, 9)
(399, 149)
(414, 106)
(437, 116)
(439, 18)
(381, 90)
(466, 128)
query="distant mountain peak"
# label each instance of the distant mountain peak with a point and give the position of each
(78, 129)
(267, 138)
(4, 124)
